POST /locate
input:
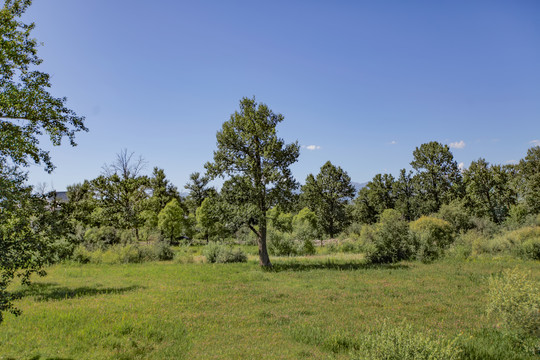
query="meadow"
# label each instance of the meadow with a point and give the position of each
(314, 307)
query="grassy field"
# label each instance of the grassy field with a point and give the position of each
(170, 310)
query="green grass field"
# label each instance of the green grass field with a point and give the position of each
(170, 310)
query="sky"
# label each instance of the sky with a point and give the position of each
(360, 83)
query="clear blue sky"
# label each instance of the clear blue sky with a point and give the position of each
(363, 82)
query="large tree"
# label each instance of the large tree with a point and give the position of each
(487, 190)
(27, 111)
(327, 194)
(257, 161)
(437, 175)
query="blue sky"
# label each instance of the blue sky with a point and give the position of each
(362, 82)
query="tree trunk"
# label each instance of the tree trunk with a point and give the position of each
(264, 259)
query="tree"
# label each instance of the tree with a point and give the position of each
(171, 220)
(437, 175)
(198, 190)
(257, 162)
(327, 194)
(487, 190)
(381, 192)
(27, 111)
(529, 179)
(122, 192)
(208, 219)
(405, 195)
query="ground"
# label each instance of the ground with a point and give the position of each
(165, 310)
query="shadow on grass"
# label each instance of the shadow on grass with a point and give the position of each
(331, 265)
(50, 291)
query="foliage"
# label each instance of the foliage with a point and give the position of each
(102, 237)
(280, 220)
(27, 111)
(219, 253)
(514, 299)
(488, 191)
(431, 236)
(405, 195)
(437, 175)
(390, 239)
(208, 219)
(124, 254)
(281, 244)
(456, 213)
(257, 162)
(529, 184)
(198, 190)
(326, 195)
(171, 220)
(305, 225)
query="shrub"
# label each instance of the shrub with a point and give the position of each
(485, 226)
(305, 225)
(530, 249)
(403, 343)
(62, 249)
(81, 255)
(124, 254)
(163, 251)
(514, 299)
(228, 255)
(390, 239)
(281, 244)
(101, 237)
(307, 248)
(524, 242)
(431, 237)
(218, 253)
(457, 215)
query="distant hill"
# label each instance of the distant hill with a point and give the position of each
(358, 186)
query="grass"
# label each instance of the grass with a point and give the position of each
(305, 308)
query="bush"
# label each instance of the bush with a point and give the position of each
(62, 249)
(457, 215)
(218, 253)
(81, 255)
(281, 244)
(390, 239)
(403, 343)
(524, 242)
(101, 237)
(431, 236)
(530, 249)
(514, 299)
(307, 248)
(305, 225)
(124, 254)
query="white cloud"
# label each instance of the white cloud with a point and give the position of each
(457, 144)
(461, 166)
(312, 147)
(393, 142)
(535, 142)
